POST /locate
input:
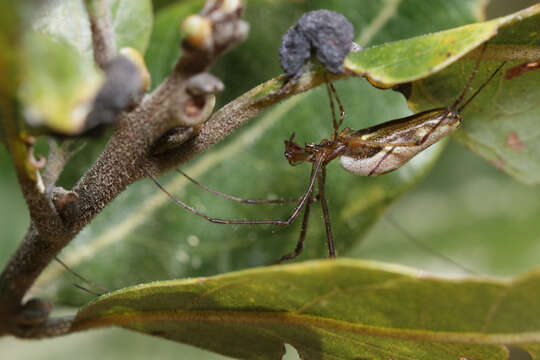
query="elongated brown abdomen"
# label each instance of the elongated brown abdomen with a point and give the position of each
(388, 146)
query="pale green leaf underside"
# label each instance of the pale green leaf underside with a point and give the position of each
(344, 309)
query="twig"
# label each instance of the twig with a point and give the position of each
(58, 156)
(122, 162)
(185, 94)
(236, 114)
(103, 36)
(52, 327)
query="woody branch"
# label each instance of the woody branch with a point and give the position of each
(152, 127)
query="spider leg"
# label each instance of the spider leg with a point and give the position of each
(301, 238)
(79, 276)
(381, 161)
(461, 96)
(305, 198)
(341, 108)
(326, 213)
(237, 199)
(332, 107)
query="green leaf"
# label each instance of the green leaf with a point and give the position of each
(68, 20)
(132, 21)
(10, 24)
(251, 165)
(59, 78)
(465, 210)
(344, 309)
(403, 61)
(164, 48)
(533, 350)
(501, 124)
(58, 84)
(14, 219)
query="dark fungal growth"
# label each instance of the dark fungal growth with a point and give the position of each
(120, 90)
(326, 34)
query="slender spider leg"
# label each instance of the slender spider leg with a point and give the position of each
(303, 201)
(341, 108)
(460, 97)
(332, 107)
(469, 81)
(82, 278)
(331, 90)
(329, 238)
(453, 110)
(237, 199)
(427, 248)
(412, 143)
(303, 232)
(460, 109)
(92, 292)
(381, 161)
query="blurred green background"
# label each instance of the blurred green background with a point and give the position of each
(464, 208)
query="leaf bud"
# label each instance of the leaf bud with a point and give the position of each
(197, 31)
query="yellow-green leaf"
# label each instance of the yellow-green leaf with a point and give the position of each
(58, 75)
(58, 84)
(343, 309)
(68, 20)
(403, 61)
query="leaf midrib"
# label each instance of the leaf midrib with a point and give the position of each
(129, 319)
